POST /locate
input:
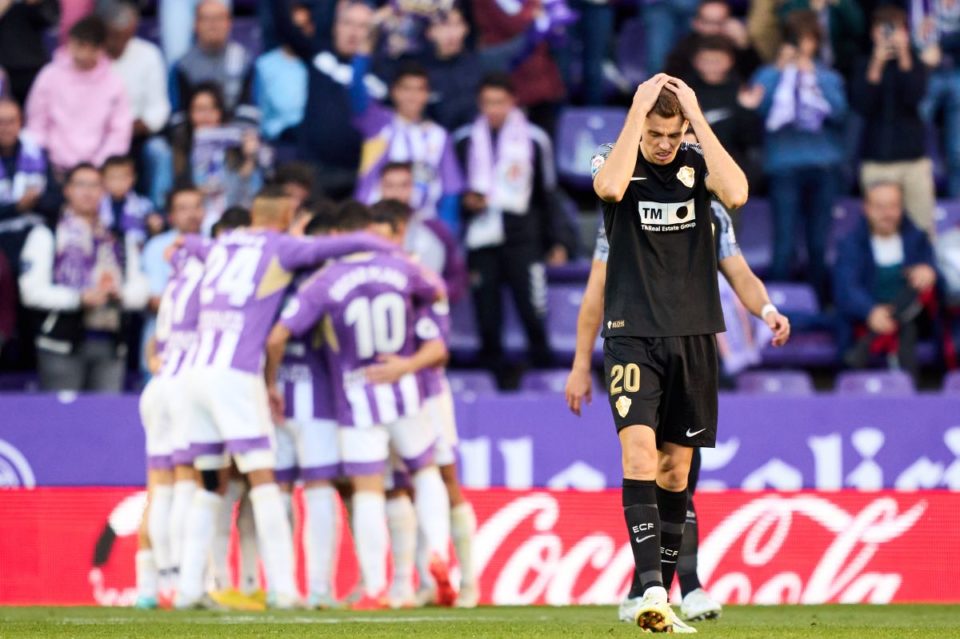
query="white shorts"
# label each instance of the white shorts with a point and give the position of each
(229, 415)
(157, 424)
(396, 477)
(366, 450)
(177, 405)
(439, 411)
(308, 450)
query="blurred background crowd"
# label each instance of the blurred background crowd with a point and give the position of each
(124, 124)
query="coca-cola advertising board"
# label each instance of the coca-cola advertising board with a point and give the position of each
(76, 546)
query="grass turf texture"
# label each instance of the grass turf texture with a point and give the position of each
(742, 622)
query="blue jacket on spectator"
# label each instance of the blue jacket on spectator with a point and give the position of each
(789, 148)
(326, 135)
(855, 268)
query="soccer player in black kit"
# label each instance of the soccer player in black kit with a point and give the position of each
(661, 315)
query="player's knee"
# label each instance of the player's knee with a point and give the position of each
(210, 480)
(672, 473)
(639, 463)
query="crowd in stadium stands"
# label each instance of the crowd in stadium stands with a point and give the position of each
(110, 108)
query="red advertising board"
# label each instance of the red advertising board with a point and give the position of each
(76, 546)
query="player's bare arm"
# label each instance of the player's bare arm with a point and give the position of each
(276, 346)
(579, 385)
(725, 179)
(390, 368)
(753, 294)
(613, 178)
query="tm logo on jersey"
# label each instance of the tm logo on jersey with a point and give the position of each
(664, 217)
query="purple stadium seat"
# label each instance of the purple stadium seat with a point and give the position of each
(875, 383)
(792, 297)
(951, 383)
(563, 306)
(553, 381)
(579, 132)
(631, 54)
(477, 382)
(802, 351)
(847, 213)
(576, 271)
(149, 29)
(775, 382)
(755, 234)
(464, 339)
(947, 214)
(246, 31)
(19, 382)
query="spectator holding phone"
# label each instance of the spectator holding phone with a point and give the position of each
(225, 161)
(887, 89)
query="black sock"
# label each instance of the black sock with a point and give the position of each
(687, 563)
(673, 512)
(643, 526)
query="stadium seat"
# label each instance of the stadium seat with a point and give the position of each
(847, 213)
(579, 132)
(477, 382)
(775, 382)
(947, 215)
(246, 31)
(815, 349)
(631, 55)
(552, 381)
(755, 234)
(464, 339)
(875, 383)
(951, 383)
(571, 272)
(793, 297)
(563, 306)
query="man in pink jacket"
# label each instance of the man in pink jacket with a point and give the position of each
(77, 109)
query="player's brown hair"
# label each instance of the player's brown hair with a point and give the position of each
(667, 105)
(272, 206)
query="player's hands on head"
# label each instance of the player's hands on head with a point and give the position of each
(388, 370)
(579, 389)
(780, 325)
(686, 97)
(647, 94)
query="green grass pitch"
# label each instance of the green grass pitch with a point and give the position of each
(742, 622)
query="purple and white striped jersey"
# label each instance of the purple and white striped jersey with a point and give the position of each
(304, 380)
(435, 315)
(367, 306)
(245, 276)
(178, 313)
(303, 376)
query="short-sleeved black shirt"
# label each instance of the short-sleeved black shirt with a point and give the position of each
(662, 268)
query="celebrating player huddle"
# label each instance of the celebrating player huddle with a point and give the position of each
(346, 384)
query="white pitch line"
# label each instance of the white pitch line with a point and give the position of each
(266, 619)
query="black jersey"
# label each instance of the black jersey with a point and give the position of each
(662, 268)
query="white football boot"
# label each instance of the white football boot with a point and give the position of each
(699, 605)
(654, 613)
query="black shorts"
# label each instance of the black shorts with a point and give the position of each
(667, 383)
